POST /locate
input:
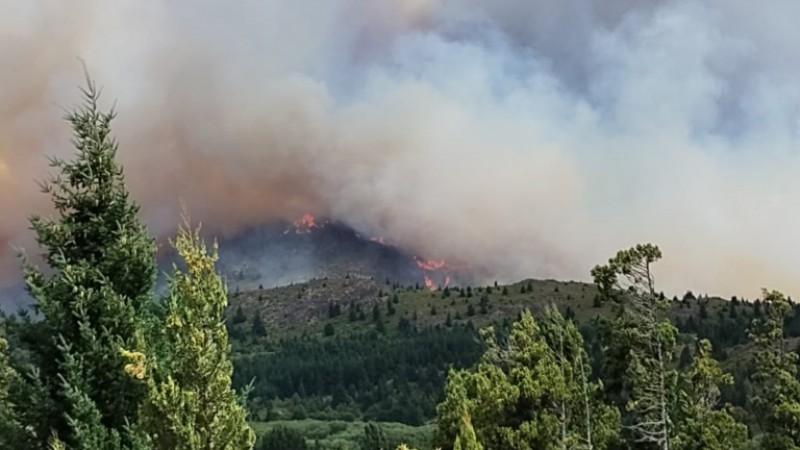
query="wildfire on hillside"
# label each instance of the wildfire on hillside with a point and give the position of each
(304, 224)
(431, 267)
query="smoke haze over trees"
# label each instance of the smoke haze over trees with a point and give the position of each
(519, 137)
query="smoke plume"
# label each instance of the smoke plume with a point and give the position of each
(521, 137)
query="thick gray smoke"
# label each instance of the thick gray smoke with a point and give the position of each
(522, 137)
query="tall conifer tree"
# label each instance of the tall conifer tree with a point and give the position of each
(650, 339)
(776, 399)
(703, 423)
(94, 297)
(532, 392)
(190, 404)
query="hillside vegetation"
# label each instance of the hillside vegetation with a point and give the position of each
(355, 349)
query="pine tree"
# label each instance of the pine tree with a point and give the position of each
(258, 327)
(484, 305)
(702, 424)
(777, 396)
(532, 392)
(569, 314)
(95, 297)
(585, 421)
(239, 316)
(650, 339)
(190, 404)
(376, 313)
(703, 310)
(390, 310)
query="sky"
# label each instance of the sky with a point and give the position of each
(524, 138)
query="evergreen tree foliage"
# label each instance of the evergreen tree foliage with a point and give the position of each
(702, 424)
(258, 327)
(777, 397)
(484, 305)
(12, 433)
(374, 438)
(190, 404)
(351, 313)
(396, 377)
(650, 340)
(466, 439)
(685, 360)
(239, 316)
(531, 393)
(585, 420)
(94, 298)
(282, 438)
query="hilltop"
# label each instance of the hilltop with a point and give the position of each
(308, 306)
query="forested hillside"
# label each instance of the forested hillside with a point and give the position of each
(359, 349)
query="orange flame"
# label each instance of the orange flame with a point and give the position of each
(425, 264)
(305, 223)
(429, 283)
(428, 266)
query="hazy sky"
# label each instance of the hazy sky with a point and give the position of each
(523, 137)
